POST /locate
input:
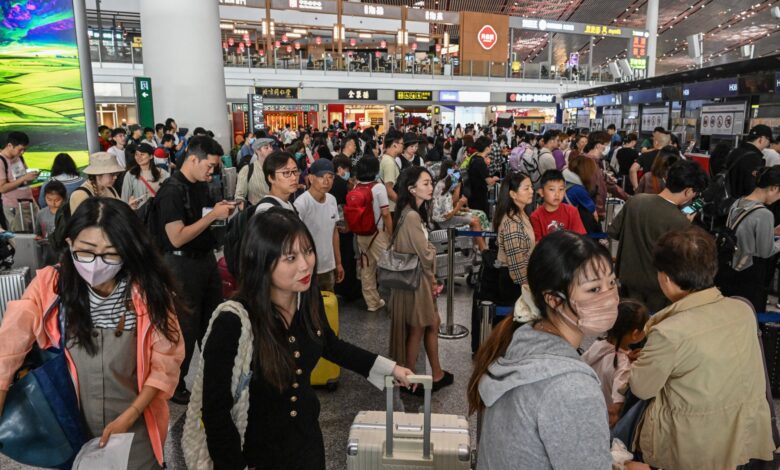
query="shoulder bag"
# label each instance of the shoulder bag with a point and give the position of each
(395, 270)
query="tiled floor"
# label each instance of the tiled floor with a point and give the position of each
(371, 331)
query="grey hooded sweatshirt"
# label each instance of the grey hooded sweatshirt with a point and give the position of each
(544, 408)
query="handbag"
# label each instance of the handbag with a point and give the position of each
(41, 424)
(395, 270)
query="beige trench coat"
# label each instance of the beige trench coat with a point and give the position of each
(702, 365)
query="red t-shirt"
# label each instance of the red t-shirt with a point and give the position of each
(566, 217)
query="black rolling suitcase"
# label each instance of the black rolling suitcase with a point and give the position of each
(485, 289)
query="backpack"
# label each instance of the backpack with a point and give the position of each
(61, 218)
(726, 237)
(359, 210)
(234, 234)
(717, 198)
(196, 453)
(152, 217)
(531, 167)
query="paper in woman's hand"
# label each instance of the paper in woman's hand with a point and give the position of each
(114, 456)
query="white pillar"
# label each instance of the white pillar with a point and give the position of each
(183, 56)
(652, 27)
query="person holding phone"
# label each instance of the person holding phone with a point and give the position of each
(143, 179)
(15, 180)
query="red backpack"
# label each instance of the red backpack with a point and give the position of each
(359, 210)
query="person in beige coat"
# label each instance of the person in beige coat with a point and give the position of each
(701, 368)
(414, 313)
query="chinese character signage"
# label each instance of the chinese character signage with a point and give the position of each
(358, 94)
(413, 95)
(373, 10)
(256, 114)
(638, 64)
(143, 101)
(638, 47)
(530, 98)
(600, 30)
(487, 37)
(484, 37)
(292, 107)
(434, 15)
(284, 93)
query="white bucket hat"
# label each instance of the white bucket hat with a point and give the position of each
(102, 163)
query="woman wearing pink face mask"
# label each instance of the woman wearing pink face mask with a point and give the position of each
(543, 407)
(122, 340)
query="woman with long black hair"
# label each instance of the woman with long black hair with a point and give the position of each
(278, 292)
(123, 342)
(144, 178)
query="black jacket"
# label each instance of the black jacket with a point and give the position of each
(283, 430)
(746, 159)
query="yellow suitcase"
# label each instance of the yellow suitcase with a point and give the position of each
(327, 373)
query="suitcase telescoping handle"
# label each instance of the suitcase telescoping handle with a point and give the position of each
(427, 382)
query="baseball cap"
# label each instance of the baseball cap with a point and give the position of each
(761, 130)
(261, 142)
(321, 167)
(145, 148)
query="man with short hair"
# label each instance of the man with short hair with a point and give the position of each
(281, 174)
(288, 135)
(643, 220)
(250, 183)
(14, 182)
(746, 160)
(149, 137)
(319, 211)
(135, 134)
(546, 157)
(159, 132)
(104, 134)
(119, 136)
(186, 214)
(389, 171)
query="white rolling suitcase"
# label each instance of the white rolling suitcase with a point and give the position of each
(384, 440)
(13, 282)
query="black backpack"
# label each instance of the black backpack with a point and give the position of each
(244, 161)
(717, 198)
(61, 218)
(726, 237)
(235, 233)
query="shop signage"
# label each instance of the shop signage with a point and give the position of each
(487, 37)
(373, 10)
(358, 94)
(574, 28)
(363, 9)
(285, 93)
(728, 119)
(144, 102)
(306, 4)
(292, 107)
(244, 107)
(432, 16)
(413, 95)
(711, 89)
(530, 98)
(448, 96)
(256, 116)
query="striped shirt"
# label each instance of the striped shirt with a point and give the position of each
(106, 312)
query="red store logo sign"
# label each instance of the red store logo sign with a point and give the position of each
(487, 37)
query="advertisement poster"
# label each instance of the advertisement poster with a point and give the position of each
(727, 119)
(40, 80)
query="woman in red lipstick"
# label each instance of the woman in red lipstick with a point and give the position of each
(278, 290)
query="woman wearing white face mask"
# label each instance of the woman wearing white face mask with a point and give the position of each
(543, 407)
(122, 339)
(101, 174)
(597, 149)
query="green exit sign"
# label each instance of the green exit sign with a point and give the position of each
(144, 102)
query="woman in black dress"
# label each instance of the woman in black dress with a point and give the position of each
(278, 288)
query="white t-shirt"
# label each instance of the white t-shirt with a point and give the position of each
(320, 219)
(120, 156)
(771, 157)
(389, 172)
(267, 205)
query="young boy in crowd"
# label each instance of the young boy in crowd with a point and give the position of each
(54, 194)
(554, 215)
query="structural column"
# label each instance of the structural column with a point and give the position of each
(85, 64)
(183, 56)
(652, 27)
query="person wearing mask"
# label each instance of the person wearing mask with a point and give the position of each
(542, 405)
(746, 159)
(450, 207)
(753, 222)
(15, 179)
(413, 313)
(515, 238)
(104, 138)
(101, 175)
(188, 243)
(389, 171)
(144, 178)
(343, 181)
(319, 211)
(580, 179)
(250, 182)
(122, 341)
(548, 143)
(282, 302)
(409, 155)
(480, 179)
(703, 381)
(772, 153)
(642, 222)
(655, 181)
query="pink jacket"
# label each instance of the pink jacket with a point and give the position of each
(158, 359)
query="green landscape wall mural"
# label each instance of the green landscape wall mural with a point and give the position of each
(40, 80)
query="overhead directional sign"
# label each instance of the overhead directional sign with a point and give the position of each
(570, 27)
(144, 102)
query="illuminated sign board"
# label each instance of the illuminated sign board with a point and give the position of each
(465, 96)
(413, 95)
(357, 94)
(638, 64)
(373, 10)
(448, 96)
(287, 93)
(574, 28)
(604, 100)
(711, 89)
(306, 4)
(652, 95)
(530, 98)
(601, 30)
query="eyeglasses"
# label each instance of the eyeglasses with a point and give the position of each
(89, 257)
(289, 173)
